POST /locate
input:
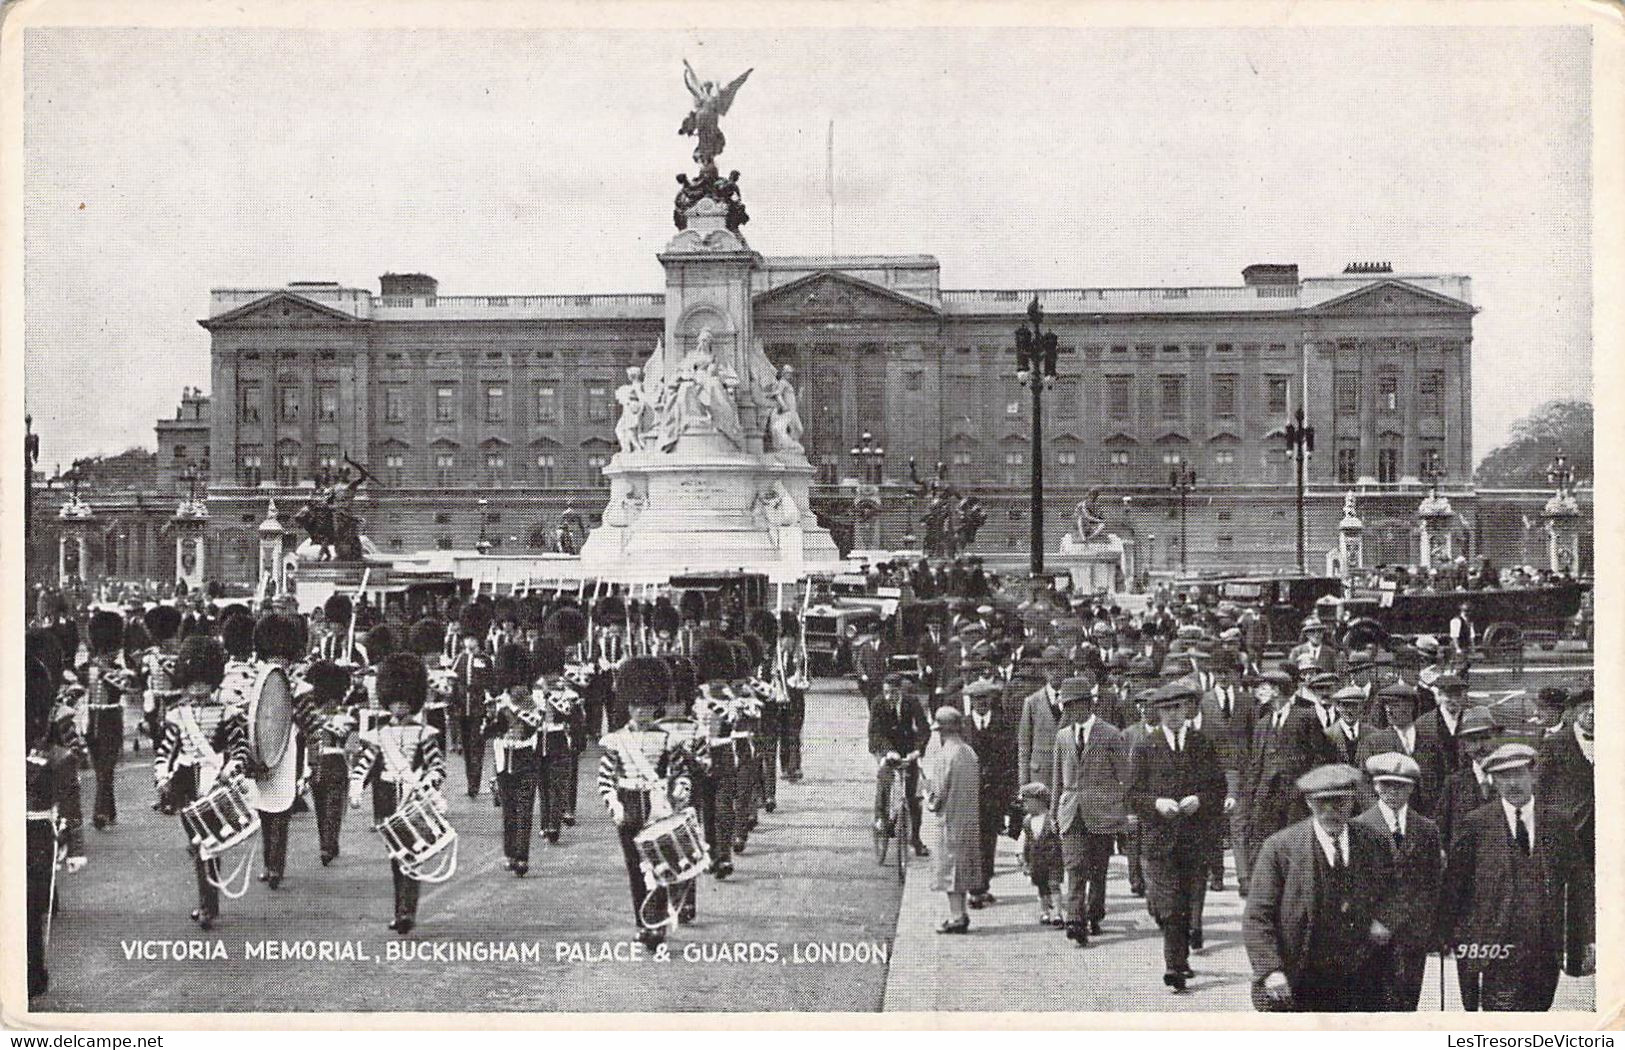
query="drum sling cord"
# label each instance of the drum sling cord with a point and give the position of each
(235, 885)
(637, 767)
(412, 786)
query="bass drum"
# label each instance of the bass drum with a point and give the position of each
(270, 715)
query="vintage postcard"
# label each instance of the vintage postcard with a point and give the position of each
(810, 515)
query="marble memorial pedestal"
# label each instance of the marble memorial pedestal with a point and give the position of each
(1096, 565)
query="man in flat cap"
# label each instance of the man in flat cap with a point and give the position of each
(1349, 727)
(1478, 734)
(1286, 743)
(1512, 867)
(1177, 790)
(992, 735)
(898, 731)
(1418, 872)
(1317, 924)
(1314, 652)
(1565, 778)
(1091, 806)
(1227, 715)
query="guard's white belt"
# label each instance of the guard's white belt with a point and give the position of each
(42, 814)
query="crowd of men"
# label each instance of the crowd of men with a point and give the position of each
(1376, 812)
(694, 713)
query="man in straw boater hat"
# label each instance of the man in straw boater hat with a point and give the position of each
(1418, 871)
(644, 776)
(1512, 869)
(1319, 905)
(1177, 790)
(399, 757)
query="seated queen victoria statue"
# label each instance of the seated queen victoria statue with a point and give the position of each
(700, 399)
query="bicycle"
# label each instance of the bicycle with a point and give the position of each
(898, 823)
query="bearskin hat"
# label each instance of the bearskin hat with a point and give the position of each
(713, 660)
(105, 632)
(276, 636)
(328, 680)
(201, 659)
(505, 609)
(379, 642)
(756, 652)
(548, 658)
(162, 621)
(765, 625)
(643, 681)
(40, 644)
(402, 679)
(427, 637)
(237, 635)
(39, 694)
(682, 678)
(663, 617)
(136, 638)
(532, 612)
(568, 625)
(67, 639)
(475, 619)
(514, 667)
(789, 622)
(338, 608)
(610, 610)
(692, 606)
(234, 609)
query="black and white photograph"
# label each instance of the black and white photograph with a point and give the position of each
(635, 514)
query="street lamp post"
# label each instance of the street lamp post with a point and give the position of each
(1300, 441)
(1182, 479)
(1560, 475)
(869, 459)
(484, 544)
(1036, 352)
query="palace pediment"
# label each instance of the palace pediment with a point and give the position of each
(832, 296)
(280, 309)
(1389, 298)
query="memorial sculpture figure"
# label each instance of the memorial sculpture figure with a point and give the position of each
(629, 428)
(1087, 523)
(328, 520)
(710, 105)
(784, 425)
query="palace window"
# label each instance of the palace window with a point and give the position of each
(1013, 474)
(287, 469)
(598, 402)
(327, 403)
(913, 379)
(249, 412)
(546, 464)
(1432, 463)
(395, 468)
(1065, 398)
(1387, 465)
(249, 467)
(1348, 465)
(445, 403)
(496, 468)
(327, 462)
(828, 468)
(394, 404)
(1066, 459)
(1346, 393)
(1119, 459)
(1388, 391)
(1224, 457)
(289, 404)
(1276, 388)
(180, 453)
(596, 462)
(547, 403)
(1172, 459)
(1224, 396)
(496, 403)
(445, 469)
(1430, 394)
(1172, 394)
(1013, 408)
(1223, 348)
(1119, 395)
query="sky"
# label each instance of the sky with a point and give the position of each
(161, 163)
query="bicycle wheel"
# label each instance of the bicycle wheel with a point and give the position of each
(905, 837)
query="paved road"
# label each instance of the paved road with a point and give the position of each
(808, 878)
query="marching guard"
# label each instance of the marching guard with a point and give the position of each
(713, 709)
(202, 743)
(513, 724)
(792, 670)
(643, 777)
(162, 623)
(55, 835)
(330, 767)
(400, 758)
(563, 726)
(472, 680)
(105, 682)
(277, 641)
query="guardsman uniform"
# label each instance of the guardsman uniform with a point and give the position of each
(471, 673)
(563, 723)
(106, 682)
(54, 830)
(330, 736)
(513, 723)
(714, 711)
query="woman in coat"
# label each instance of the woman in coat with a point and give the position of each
(953, 783)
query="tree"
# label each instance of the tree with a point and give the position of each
(1556, 426)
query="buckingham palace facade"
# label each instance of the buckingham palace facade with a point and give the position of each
(488, 416)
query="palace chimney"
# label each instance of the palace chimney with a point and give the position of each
(408, 284)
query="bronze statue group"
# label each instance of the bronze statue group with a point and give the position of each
(694, 712)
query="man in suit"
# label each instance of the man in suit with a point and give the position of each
(1177, 790)
(1091, 784)
(1507, 883)
(1314, 652)
(898, 730)
(1418, 873)
(1463, 636)
(1565, 779)
(1041, 716)
(992, 735)
(1469, 787)
(869, 659)
(1227, 714)
(1144, 724)
(1315, 696)
(1287, 743)
(1399, 702)
(1317, 925)
(1437, 750)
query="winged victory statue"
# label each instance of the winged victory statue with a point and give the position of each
(710, 105)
